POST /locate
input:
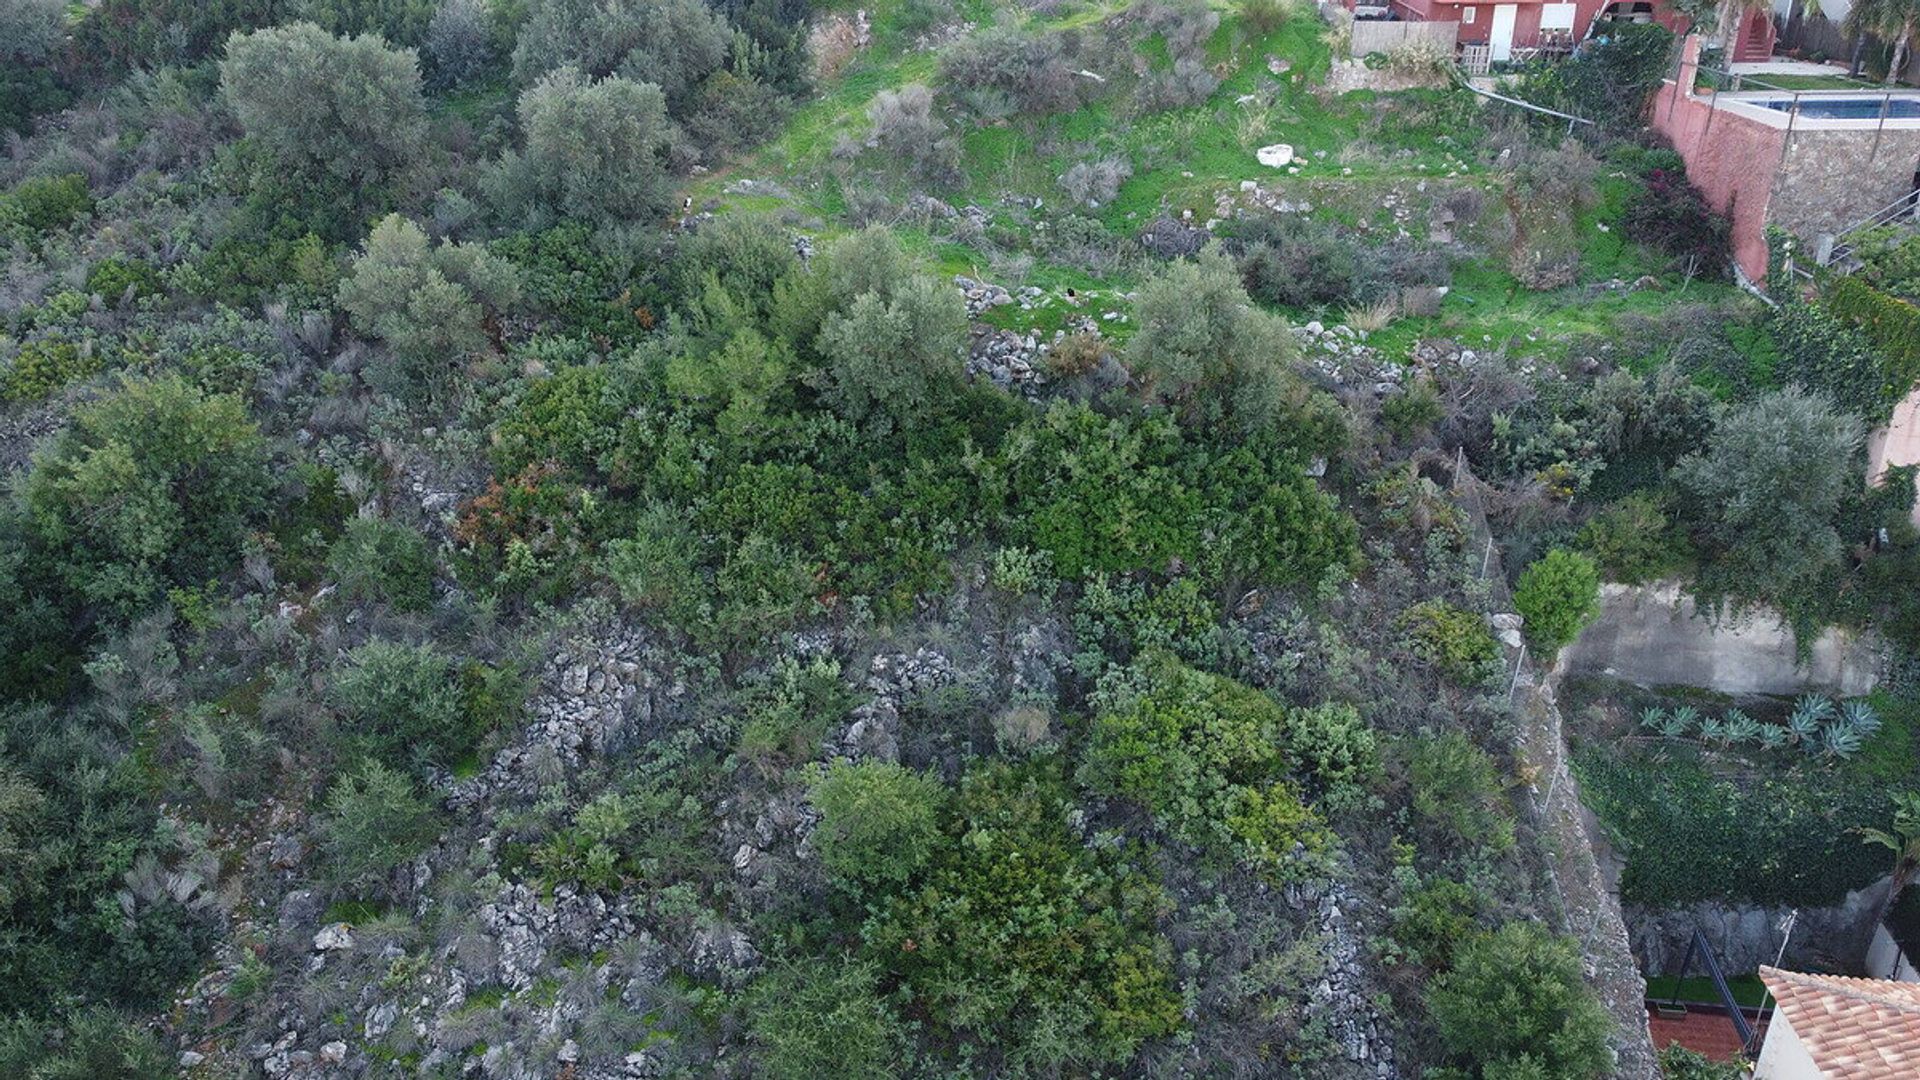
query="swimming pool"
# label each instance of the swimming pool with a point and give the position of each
(1898, 107)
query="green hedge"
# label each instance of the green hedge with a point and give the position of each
(1892, 323)
(1690, 835)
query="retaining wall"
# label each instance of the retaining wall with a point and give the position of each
(1654, 635)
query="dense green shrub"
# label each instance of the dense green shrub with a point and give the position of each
(154, 485)
(379, 561)
(45, 203)
(77, 813)
(825, 1017)
(1517, 1004)
(1456, 643)
(1432, 921)
(1558, 594)
(1204, 755)
(88, 1044)
(879, 822)
(119, 277)
(1457, 788)
(402, 705)
(374, 821)
(45, 365)
(1032, 947)
(1632, 541)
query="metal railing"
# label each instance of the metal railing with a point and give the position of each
(1847, 239)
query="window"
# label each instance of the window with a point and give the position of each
(1467, 14)
(1556, 16)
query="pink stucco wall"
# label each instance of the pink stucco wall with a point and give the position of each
(1730, 158)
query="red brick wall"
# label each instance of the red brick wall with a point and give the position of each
(1731, 160)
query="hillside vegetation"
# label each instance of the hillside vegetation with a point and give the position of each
(665, 539)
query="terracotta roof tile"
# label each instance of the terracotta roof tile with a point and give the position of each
(1854, 1029)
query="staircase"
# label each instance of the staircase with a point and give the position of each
(1901, 213)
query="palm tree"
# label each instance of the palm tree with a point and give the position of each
(1904, 841)
(1897, 21)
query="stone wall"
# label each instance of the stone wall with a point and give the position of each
(1744, 936)
(1653, 635)
(1830, 180)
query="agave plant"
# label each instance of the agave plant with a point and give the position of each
(1807, 716)
(1674, 727)
(1713, 730)
(1818, 706)
(1740, 728)
(1686, 718)
(1773, 736)
(1839, 741)
(1653, 718)
(1860, 716)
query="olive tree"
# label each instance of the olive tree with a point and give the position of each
(1207, 351)
(346, 107)
(30, 30)
(673, 44)
(1762, 498)
(427, 301)
(595, 152)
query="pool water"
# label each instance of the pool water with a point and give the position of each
(1826, 108)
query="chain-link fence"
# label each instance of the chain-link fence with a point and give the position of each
(1585, 906)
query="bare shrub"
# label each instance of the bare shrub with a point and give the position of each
(1011, 70)
(1096, 182)
(905, 128)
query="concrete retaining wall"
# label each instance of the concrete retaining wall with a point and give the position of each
(1653, 635)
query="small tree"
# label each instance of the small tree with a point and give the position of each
(1558, 594)
(374, 821)
(1517, 1005)
(428, 302)
(1208, 351)
(348, 107)
(459, 44)
(154, 485)
(595, 152)
(890, 357)
(673, 44)
(1763, 497)
(879, 822)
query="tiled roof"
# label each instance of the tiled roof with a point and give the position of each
(1854, 1029)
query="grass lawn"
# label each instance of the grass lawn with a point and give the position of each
(1747, 989)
